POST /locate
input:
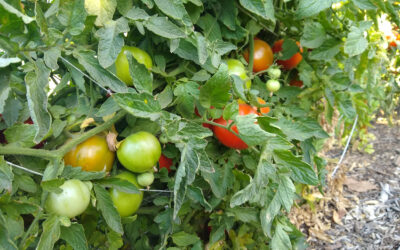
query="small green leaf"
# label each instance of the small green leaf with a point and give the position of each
(11, 9)
(313, 36)
(355, 43)
(51, 232)
(281, 239)
(139, 105)
(163, 27)
(301, 171)
(216, 90)
(111, 41)
(103, 9)
(262, 8)
(328, 50)
(107, 108)
(72, 15)
(308, 8)
(77, 173)
(74, 235)
(36, 82)
(53, 185)
(6, 176)
(106, 206)
(120, 184)
(51, 57)
(101, 75)
(174, 9)
(4, 62)
(250, 131)
(184, 239)
(142, 79)
(230, 111)
(364, 4)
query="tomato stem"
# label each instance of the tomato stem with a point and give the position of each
(219, 125)
(251, 53)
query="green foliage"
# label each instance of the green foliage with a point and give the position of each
(57, 68)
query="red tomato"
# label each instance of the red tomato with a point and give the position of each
(165, 162)
(225, 136)
(263, 56)
(293, 61)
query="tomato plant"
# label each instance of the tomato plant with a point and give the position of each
(72, 201)
(126, 203)
(225, 136)
(91, 155)
(139, 152)
(293, 61)
(140, 70)
(122, 64)
(263, 56)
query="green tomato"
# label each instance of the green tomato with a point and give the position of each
(235, 67)
(145, 179)
(274, 73)
(72, 201)
(122, 64)
(139, 152)
(273, 85)
(126, 203)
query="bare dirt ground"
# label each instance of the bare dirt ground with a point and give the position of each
(361, 206)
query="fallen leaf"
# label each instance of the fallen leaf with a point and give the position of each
(336, 218)
(320, 235)
(359, 186)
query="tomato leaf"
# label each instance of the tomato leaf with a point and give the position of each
(216, 90)
(174, 9)
(301, 171)
(72, 15)
(74, 235)
(100, 75)
(245, 214)
(355, 43)
(300, 130)
(281, 239)
(313, 36)
(103, 9)
(136, 14)
(308, 8)
(139, 105)
(111, 41)
(186, 94)
(77, 173)
(25, 183)
(5, 239)
(364, 4)
(251, 132)
(106, 206)
(21, 135)
(184, 239)
(51, 232)
(11, 9)
(196, 194)
(262, 8)
(36, 82)
(108, 107)
(230, 111)
(114, 240)
(142, 79)
(163, 27)
(120, 184)
(6, 175)
(328, 50)
(52, 185)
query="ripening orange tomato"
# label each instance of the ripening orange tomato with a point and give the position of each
(92, 155)
(263, 56)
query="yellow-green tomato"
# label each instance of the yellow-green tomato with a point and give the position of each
(72, 201)
(126, 203)
(235, 67)
(122, 64)
(139, 152)
(145, 179)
